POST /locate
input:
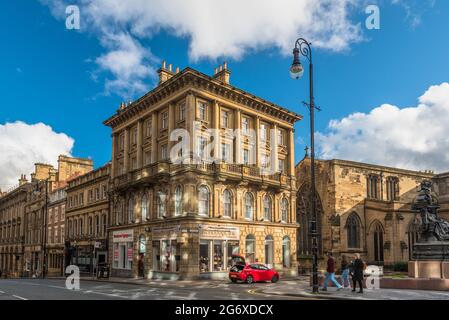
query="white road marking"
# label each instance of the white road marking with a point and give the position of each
(2, 291)
(19, 297)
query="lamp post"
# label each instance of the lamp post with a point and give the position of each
(303, 47)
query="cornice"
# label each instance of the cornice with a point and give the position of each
(203, 82)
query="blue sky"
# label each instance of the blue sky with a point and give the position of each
(50, 75)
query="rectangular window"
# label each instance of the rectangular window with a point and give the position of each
(245, 125)
(204, 256)
(281, 140)
(224, 119)
(121, 142)
(164, 124)
(281, 163)
(91, 195)
(133, 163)
(263, 133)
(97, 194)
(164, 152)
(105, 191)
(226, 152)
(81, 199)
(182, 111)
(246, 157)
(202, 111)
(201, 147)
(134, 136)
(147, 158)
(148, 128)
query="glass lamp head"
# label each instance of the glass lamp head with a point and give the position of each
(296, 70)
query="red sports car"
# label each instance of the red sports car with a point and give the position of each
(254, 272)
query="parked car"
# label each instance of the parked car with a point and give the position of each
(254, 272)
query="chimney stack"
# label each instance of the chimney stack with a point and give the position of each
(222, 73)
(164, 73)
(22, 180)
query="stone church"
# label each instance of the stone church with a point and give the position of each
(362, 208)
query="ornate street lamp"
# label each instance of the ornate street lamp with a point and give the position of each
(302, 47)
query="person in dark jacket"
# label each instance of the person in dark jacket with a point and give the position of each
(330, 274)
(357, 273)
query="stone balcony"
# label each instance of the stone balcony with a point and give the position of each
(222, 172)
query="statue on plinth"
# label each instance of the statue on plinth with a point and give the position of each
(432, 227)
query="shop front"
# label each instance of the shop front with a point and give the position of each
(217, 245)
(122, 253)
(166, 252)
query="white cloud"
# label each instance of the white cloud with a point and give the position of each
(412, 138)
(214, 29)
(24, 144)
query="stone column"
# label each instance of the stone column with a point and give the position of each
(154, 135)
(274, 150)
(216, 126)
(291, 153)
(171, 124)
(190, 119)
(139, 144)
(257, 128)
(238, 136)
(114, 159)
(126, 151)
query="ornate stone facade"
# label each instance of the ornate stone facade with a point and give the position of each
(185, 220)
(363, 209)
(87, 219)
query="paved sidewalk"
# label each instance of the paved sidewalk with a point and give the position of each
(301, 288)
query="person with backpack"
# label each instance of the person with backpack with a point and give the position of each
(358, 266)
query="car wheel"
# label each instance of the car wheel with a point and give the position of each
(274, 279)
(249, 279)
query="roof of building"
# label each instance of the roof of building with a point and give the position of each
(208, 83)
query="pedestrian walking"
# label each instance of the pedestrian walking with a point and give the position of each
(357, 273)
(345, 269)
(330, 274)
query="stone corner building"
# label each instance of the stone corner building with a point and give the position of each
(362, 208)
(186, 220)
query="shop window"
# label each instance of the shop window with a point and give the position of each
(250, 249)
(232, 248)
(156, 255)
(204, 256)
(286, 252)
(218, 263)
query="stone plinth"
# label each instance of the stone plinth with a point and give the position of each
(431, 251)
(428, 269)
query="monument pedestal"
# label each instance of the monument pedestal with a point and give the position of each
(430, 260)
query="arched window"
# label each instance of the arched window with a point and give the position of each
(249, 206)
(131, 210)
(378, 240)
(250, 246)
(144, 208)
(392, 189)
(269, 250)
(178, 201)
(286, 252)
(227, 203)
(353, 231)
(161, 204)
(284, 210)
(267, 208)
(203, 200)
